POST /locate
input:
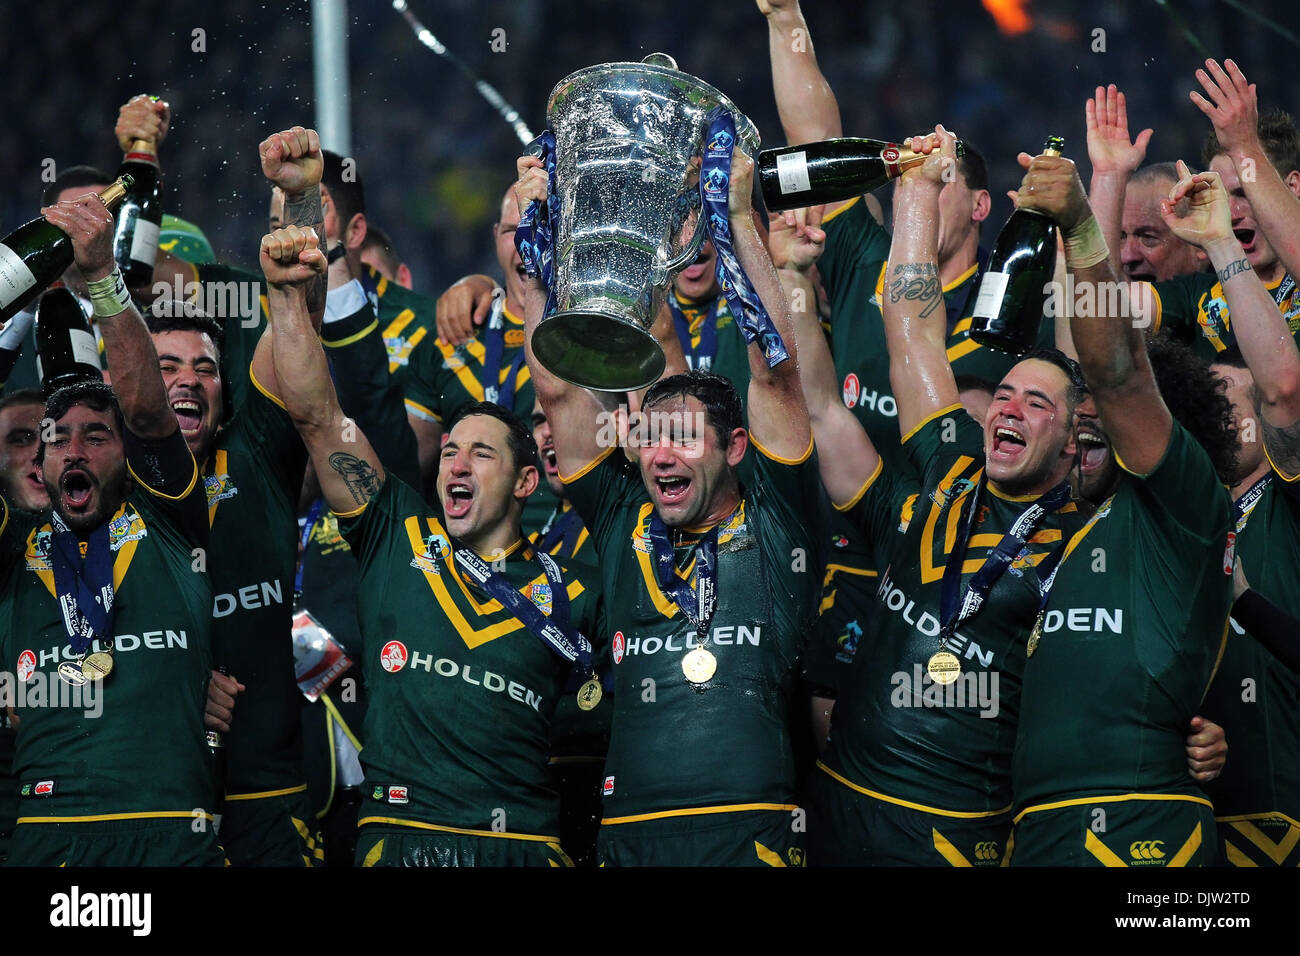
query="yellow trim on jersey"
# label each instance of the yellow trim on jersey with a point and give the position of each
(218, 468)
(832, 568)
(428, 414)
(771, 456)
(896, 801)
(394, 330)
(105, 817)
(1158, 313)
(947, 850)
(348, 340)
(416, 824)
(568, 479)
(929, 572)
(827, 218)
(1107, 856)
(1005, 497)
(472, 636)
(159, 494)
(960, 279)
(267, 794)
(871, 480)
(1277, 852)
(121, 560)
(1236, 857)
(1276, 470)
(381, 286)
(262, 388)
(354, 512)
(1115, 798)
(956, 406)
(698, 811)
(5, 522)
(961, 348)
(1251, 817)
(765, 855)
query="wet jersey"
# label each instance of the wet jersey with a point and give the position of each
(1186, 305)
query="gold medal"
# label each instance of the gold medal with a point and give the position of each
(589, 695)
(71, 673)
(943, 667)
(699, 666)
(97, 666)
(1034, 637)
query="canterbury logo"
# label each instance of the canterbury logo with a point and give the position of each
(1146, 850)
(986, 851)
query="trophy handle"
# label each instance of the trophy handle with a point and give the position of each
(683, 258)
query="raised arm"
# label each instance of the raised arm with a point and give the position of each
(1262, 334)
(915, 319)
(1233, 108)
(1114, 159)
(1111, 348)
(778, 417)
(347, 467)
(575, 415)
(848, 457)
(292, 160)
(127, 344)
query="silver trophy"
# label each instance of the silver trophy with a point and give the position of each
(628, 141)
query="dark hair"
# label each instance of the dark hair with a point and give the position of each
(22, 396)
(97, 396)
(715, 392)
(1232, 357)
(1278, 136)
(377, 239)
(73, 177)
(973, 168)
(520, 438)
(1197, 398)
(176, 315)
(347, 191)
(965, 382)
(1078, 385)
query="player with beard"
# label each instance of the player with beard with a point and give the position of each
(1258, 161)
(1132, 620)
(128, 617)
(700, 768)
(455, 769)
(902, 782)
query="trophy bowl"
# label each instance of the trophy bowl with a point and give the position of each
(628, 142)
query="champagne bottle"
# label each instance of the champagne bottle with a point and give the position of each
(37, 253)
(66, 351)
(831, 171)
(135, 243)
(1015, 285)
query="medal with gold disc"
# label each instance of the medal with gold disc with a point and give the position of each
(696, 603)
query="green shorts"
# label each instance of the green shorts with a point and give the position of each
(578, 784)
(1259, 839)
(387, 845)
(153, 841)
(727, 838)
(849, 828)
(278, 830)
(1098, 832)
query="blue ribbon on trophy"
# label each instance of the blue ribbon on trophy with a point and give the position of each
(715, 177)
(535, 234)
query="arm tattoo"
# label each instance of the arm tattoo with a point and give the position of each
(918, 281)
(1283, 447)
(358, 474)
(1232, 268)
(304, 209)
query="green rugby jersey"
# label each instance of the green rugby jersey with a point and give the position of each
(1254, 697)
(460, 693)
(730, 357)
(136, 749)
(237, 299)
(895, 735)
(725, 745)
(252, 481)
(853, 270)
(1133, 630)
(1186, 304)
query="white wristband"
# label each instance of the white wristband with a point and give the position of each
(1085, 245)
(108, 296)
(345, 301)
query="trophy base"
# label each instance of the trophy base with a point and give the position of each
(598, 351)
